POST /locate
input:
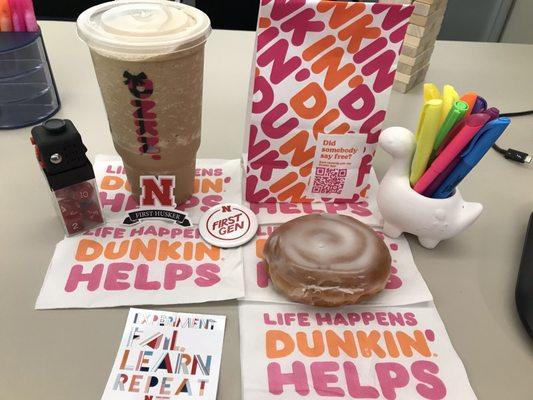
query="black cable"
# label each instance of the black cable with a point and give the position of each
(512, 154)
(517, 114)
(498, 148)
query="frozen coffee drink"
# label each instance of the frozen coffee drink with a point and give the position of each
(149, 59)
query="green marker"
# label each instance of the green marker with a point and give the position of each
(457, 112)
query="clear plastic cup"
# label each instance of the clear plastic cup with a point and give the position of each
(149, 57)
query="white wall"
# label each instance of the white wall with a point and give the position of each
(519, 27)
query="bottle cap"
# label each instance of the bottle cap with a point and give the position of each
(228, 225)
(143, 27)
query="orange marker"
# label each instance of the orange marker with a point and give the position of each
(5, 16)
(470, 99)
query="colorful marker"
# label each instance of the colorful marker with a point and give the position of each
(470, 99)
(453, 133)
(28, 13)
(472, 125)
(449, 97)
(17, 18)
(479, 146)
(428, 126)
(5, 16)
(455, 115)
(493, 112)
(433, 186)
(431, 92)
(480, 105)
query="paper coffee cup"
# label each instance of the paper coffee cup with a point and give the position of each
(148, 57)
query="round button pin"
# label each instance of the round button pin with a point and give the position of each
(228, 225)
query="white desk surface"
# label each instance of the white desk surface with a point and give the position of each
(67, 354)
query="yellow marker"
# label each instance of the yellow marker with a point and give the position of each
(431, 92)
(428, 126)
(449, 97)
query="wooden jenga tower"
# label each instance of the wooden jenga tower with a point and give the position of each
(424, 26)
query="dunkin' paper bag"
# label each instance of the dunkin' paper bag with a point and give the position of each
(321, 83)
(365, 209)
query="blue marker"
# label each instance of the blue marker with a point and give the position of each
(478, 147)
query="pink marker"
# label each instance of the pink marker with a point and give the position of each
(17, 18)
(28, 13)
(472, 125)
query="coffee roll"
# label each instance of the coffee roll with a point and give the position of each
(327, 260)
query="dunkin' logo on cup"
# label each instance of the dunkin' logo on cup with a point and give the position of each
(144, 118)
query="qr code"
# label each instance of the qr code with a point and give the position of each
(329, 180)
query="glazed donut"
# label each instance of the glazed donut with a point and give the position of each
(327, 260)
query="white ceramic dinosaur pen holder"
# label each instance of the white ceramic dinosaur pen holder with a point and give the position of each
(405, 210)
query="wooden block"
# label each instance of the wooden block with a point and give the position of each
(422, 9)
(396, 1)
(411, 61)
(424, 37)
(432, 1)
(429, 37)
(419, 31)
(405, 87)
(425, 9)
(401, 87)
(405, 78)
(421, 20)
(411, 69)
(404, 69)
(413, 51)
(413, 41)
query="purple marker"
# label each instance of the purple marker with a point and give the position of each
(480, 105)
(433, 186)
(493, 112)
